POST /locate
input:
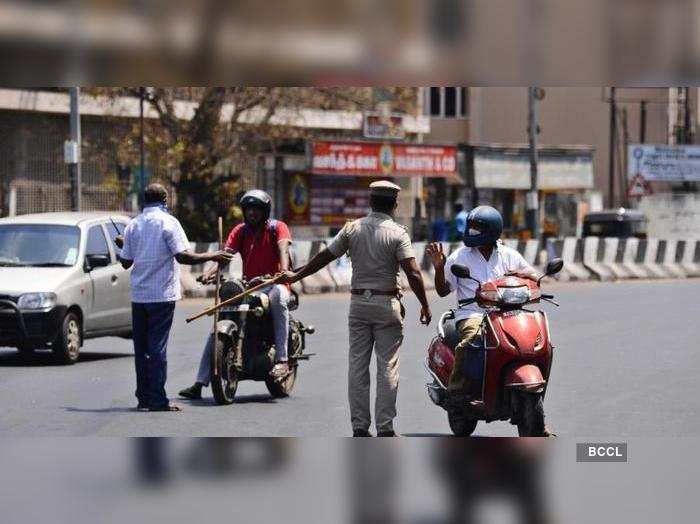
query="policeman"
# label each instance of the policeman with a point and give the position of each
(377, 246)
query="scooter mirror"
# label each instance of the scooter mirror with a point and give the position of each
(460, 271)
(554, 266)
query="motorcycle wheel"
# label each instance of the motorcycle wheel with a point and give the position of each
(460, 425)
(225, 383)
(531, 423)
(284, 388)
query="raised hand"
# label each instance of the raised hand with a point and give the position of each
(436, 254)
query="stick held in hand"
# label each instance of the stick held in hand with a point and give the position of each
(234, 299)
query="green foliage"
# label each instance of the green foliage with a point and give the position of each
(208, 155)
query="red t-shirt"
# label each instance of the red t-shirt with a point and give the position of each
(259, 251)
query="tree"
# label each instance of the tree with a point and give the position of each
(209, 155)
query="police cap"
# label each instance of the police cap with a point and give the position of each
(384, 188)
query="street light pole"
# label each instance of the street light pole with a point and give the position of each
(142, 174)
(533, 211)
(74, 146)
(611, 152)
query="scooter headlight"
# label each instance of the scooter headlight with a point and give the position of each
(515, 295)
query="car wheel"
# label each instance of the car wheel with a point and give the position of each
(66, 346)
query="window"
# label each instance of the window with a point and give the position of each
(96, 242)
(47, 245)
(446, 102)
(112, 234)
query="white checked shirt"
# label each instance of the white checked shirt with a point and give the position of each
(152, 240)
(503, 260)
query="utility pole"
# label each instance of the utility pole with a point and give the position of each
(642, 121)
(611, 149)
(533, 209)
(142, 168)
(687, 133)
(72, 151)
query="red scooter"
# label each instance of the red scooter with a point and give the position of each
(508, 368)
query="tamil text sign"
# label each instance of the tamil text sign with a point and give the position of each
(379, 159)
(660, 163)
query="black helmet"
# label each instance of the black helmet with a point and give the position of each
(257, 197)
(484, 226)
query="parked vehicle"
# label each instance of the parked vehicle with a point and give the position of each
(245, 347)
(620, 223)
(508, 368)
(60, 282)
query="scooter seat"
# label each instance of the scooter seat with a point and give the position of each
(452, 337)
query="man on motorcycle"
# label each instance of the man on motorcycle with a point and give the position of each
(263, 244)
(487, 259)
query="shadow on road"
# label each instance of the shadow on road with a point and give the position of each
(103, 410)
(45, 358)
(258, 399)
(239, 399)
(426, 435)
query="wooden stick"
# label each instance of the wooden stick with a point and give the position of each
(247, 292)
(218, 273)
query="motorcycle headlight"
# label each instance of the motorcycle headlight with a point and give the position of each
(515, 295)
(36, 300)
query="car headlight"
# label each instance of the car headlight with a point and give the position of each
(36, 300)
(515, 295)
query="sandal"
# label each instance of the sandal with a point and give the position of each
(167, 407)
(280, 371)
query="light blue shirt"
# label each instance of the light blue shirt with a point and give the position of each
(152, 240)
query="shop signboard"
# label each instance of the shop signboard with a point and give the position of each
(510, 169)
(662, 163)
(382, 159)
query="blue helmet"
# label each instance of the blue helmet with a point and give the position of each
(484, 226)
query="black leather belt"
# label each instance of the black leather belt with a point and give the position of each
(370, 292)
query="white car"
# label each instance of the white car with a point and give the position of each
(61, 283)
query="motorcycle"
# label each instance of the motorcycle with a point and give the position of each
(508, 367)
(244, 348)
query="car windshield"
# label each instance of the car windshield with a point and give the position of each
(38, 245)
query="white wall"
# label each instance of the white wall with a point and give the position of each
(672, 215)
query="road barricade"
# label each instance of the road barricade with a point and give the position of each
(611, 257)
(650, 258)
(629, 247)
(321, 282)
(570, 250)
(669, 262)
(593, 250)
(689, 257)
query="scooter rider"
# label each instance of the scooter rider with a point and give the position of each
(263, 244)
(487, 259)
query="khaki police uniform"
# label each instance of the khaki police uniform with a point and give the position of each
(376, 244)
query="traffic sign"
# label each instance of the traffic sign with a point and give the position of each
(638, 187)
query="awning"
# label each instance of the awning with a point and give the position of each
(378, 159)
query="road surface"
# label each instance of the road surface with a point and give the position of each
(626, 364)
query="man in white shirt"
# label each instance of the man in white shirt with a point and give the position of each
(152, 243)
(487, 259)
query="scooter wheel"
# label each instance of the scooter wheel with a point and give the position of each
(531, 421)
(460, 424)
